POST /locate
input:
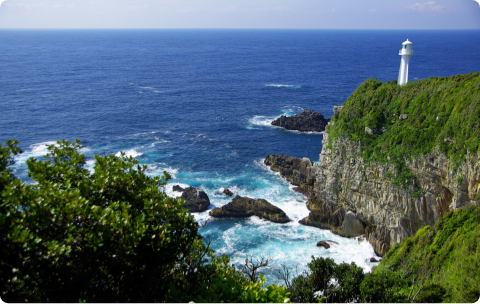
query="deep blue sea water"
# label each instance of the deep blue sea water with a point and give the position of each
(198, 103)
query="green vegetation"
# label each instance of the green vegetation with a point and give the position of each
(107, 236)
(441, 263)
(113, 235)
(443, 113)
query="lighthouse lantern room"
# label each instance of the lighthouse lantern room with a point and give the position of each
(406, 52)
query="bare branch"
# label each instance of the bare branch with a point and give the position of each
(250, 268)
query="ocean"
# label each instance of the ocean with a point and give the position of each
(198, 104)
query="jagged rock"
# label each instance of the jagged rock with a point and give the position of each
(373, 260)
(403, 116)
(351, 225)
(177, 188)
(337, 110)
(299, 171)
(368, 131)
(227, 192)
(196, 200)
(388, 213)
(300, 190)
(246, 207)
(307, 121)
(323, 244)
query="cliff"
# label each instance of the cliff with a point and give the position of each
(394, 159)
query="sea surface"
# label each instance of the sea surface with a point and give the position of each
(198, 104)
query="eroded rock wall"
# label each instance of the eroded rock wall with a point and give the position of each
(342, 183)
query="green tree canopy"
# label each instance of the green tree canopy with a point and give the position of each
(111, 235)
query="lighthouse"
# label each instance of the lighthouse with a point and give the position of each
(406, 52)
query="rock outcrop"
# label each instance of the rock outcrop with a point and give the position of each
(347, 194)
(246, 207)
(337, 110)
(177, 188)
(323, 244)
(307, 121)
(196, 200)
(227, 192)
(299, 171)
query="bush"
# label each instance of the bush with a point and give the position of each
(107, 236)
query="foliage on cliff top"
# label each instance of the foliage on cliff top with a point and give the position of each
(443, 113)
(443, 260)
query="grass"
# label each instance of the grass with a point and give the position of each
(443, 114)
(446, 255)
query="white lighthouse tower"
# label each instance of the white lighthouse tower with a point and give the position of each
(406, 52)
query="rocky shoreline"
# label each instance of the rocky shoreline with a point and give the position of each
(351, 197)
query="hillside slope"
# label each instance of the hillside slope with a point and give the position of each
(442, 261)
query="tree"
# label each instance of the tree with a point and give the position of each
(107, 236)
(110, 235)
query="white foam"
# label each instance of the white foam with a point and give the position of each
(161, 141)
(146, 133)
(157, 169)
(90, 165)
(289, 86)
(133, 153)
(35, 150)
(169, 189)
(263, 121)
(292, 110)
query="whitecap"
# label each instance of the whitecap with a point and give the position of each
(169, 189)
(35, 150)
(288, 86)
(133, 153)
(157, 169)
(90, 165)
(263, 121)
(161, 141)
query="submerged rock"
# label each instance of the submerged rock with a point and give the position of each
(196, 200)
(246, 207)
(307, 121)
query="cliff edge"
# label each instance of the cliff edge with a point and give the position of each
(394, 159)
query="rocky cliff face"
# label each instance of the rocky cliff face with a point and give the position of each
(345, 191)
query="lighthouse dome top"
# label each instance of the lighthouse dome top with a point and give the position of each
(407, 42)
